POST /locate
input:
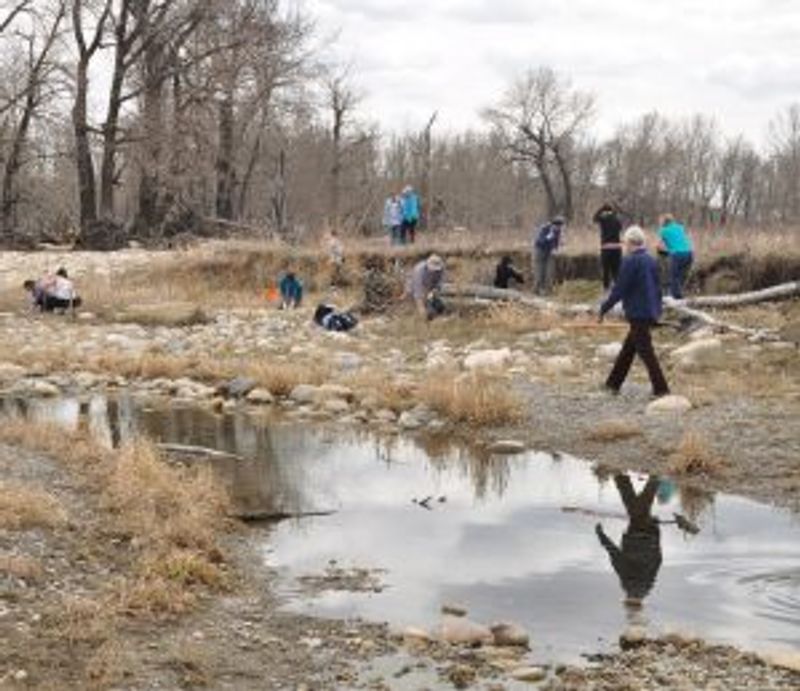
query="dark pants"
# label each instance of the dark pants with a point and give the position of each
(679, 265)
(638, 341)
(610, 260)
(48, 303)
(409, 229)
(434, 307)
(543, 271)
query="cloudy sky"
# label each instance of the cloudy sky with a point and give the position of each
(738, 60)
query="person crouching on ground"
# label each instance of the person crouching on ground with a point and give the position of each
(425, 285)
(53, 292)
(291, 290)
(504, 272)
(676, 243)
(639, 288)
(546, 242)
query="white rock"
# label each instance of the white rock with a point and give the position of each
(35, 387)
(412, 634)
(632, 637)
(303, 393)
(697, 351)
(481, 359)
(386, 415)
(508, 634)
(463, 631)
(669, 404)
(558, 364)
(507, 446)
(440, 360)
(336, 406)
(531, 674)
(608, 351)
(409, 420)
(260, 397)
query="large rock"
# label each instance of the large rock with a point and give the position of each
(35, 388)
(608, 351)
(669, 404)
(304, 393)
(486, 359)
(699, 352)
(260, 397)
(529, 674)
(163, 314)
(238, 387)
(464, 631)
(509, 634)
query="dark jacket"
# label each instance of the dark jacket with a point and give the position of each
(610, 226)
(504, 273)
(548, 238)
(639, 288)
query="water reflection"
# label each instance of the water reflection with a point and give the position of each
(638, 558)
(501, 544)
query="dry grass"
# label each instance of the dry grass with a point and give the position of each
(509, 318)
(695, 456)
(23, 508)
(609, 431)
(475, 399)
(387, 393)
(20, 566)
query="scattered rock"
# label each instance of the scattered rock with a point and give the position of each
(508, 634)
(608, 351)
(454, 610)
(163, 314)
(669, 404)
(35, 387)
(303, 393)
(408, 420)
(530, 674)
(461, 676)
(463, 631)
(507, 446)
(337, 406)
(386, 415)
(486, 359)
(700, 351)
(260, 397)
(633, 637)
(237, 388)
(413, 634)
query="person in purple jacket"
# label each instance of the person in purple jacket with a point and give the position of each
(639, 289)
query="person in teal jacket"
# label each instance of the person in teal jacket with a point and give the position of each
(410, 202)
(676, 243)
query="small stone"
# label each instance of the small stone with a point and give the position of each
(608, 351)
(507, 446)
(303, 393)
(558, 364)
(508, 634)
(530, 674)
(669, 404)
(20, 675)
(632, 637)
(463, 631)
(414, 634)
(260, 397)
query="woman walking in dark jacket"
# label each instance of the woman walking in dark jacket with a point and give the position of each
(639, 288)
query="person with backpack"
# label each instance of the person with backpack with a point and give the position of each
(607, 218)
(546, 242)
(328, 317)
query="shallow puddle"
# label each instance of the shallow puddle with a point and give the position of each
(416, 525)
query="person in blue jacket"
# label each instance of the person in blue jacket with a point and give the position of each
(546, 242)
(639, 288)
(676, 243)
(410, 202)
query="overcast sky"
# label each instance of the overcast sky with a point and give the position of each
(738, 60)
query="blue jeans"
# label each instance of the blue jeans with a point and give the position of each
(679, 264)
(396, 235)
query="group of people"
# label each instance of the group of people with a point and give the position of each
(52, 292)
(401, 215)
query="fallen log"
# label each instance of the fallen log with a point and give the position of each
(482, 292)
(270, 516)
(198, 452)
(719, 325)
(778, 292)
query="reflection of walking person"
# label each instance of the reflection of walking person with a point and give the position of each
(637, 559)
(639, 289)
(610, 245)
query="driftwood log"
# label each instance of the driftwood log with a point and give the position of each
(685, 308)
(199, 452)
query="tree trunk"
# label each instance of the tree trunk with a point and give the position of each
(225, 165)
(13, 164)
(149, 214)
(279, 196)
(87, 190)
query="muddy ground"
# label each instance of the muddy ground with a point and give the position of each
(745, 410)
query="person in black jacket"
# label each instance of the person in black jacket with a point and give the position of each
(505, 272)
(610, 244)
(637, 559)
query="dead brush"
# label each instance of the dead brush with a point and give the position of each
(476, 399)
(609, 431)
(23, 508)
(695, 456)
(515, 319)
(389, 394)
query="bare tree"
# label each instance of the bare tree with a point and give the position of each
(540, 122)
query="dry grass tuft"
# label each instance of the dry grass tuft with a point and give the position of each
(609, 431)
(22, 508)
(73, 448)
(694, 456)
(20, 566)
(515, 319)
(396, 396)
(474, 398)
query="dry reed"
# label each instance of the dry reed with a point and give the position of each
(474, 398)
(695, 456)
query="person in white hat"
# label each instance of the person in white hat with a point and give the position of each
(425, 285)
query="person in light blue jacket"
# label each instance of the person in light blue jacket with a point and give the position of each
(410, 214)
(676, 243)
